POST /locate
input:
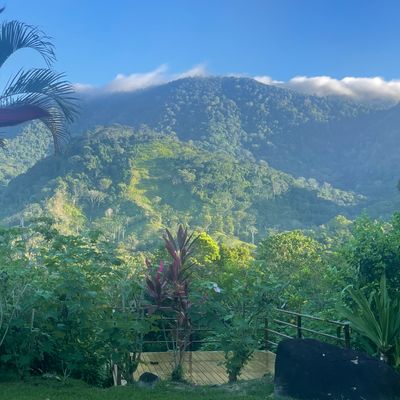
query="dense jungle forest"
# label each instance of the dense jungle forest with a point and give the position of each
(79, 225)
(184, 217)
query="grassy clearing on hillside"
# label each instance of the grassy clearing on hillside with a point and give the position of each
(39, 389)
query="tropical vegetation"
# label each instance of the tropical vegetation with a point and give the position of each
(79, 306)
(377, 318)
(135, 235)
(37, 93)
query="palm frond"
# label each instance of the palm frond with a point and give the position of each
(39, 94)
(14, 115)
(56, 123)
(52, 117)
(15, 35)
(41, 86)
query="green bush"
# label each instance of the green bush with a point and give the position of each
(68, 305)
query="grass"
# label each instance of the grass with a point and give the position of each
(40, 389)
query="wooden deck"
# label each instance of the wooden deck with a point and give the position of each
(205, 367)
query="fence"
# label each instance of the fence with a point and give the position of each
(274, 327)
(202, 352)
(296, 323)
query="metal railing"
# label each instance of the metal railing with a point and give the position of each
(297, 324)
(274, 326)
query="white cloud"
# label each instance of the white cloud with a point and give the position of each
(82, 87)
(362, 89)
(197, 71)
(129, 83)
(320, 85)
(267, 80)
(132, 82)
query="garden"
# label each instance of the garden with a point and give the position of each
(76, 309)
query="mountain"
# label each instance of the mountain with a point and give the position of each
(230, 155)
(349, 145)
(23, 151)
(131, 184)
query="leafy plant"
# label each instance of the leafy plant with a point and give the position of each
(242, 303)
(377, 318)
(238, 342)
(169, 289)
(374, 250)
(291, 260)
(17, 331)
(125, 325)
(57, 297)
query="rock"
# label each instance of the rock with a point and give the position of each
(148, 379)
(48, 375)
(310, 369)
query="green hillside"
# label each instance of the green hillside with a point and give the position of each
(347, 144)
(230, 155)
(23, 151)
(131, 184)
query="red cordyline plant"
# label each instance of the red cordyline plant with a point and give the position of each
(168, 287)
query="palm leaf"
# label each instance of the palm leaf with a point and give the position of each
(42, 87)
(56, 124)
(14, 115)
(15, 35)
(50, 116)
(39, 94)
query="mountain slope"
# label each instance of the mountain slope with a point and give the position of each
(131, 184)
(228, 154)
(23, 151)
(329, 139)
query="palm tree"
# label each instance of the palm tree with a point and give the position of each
(38, 93)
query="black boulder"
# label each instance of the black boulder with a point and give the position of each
(313, 370)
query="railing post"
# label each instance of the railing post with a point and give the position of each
(298, 323)
(339, 334)
(346, 329)
(266, 337)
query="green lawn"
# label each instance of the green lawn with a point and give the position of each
(39, 389)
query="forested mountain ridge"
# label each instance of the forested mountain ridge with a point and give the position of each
(229, 155)
(328, 138)
(23, 151)
(131, 184)
(171, 107)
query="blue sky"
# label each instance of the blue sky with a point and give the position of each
(98, 39)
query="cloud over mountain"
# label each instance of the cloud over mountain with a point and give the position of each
(362, 89)
(357, 88)
(129, 83)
